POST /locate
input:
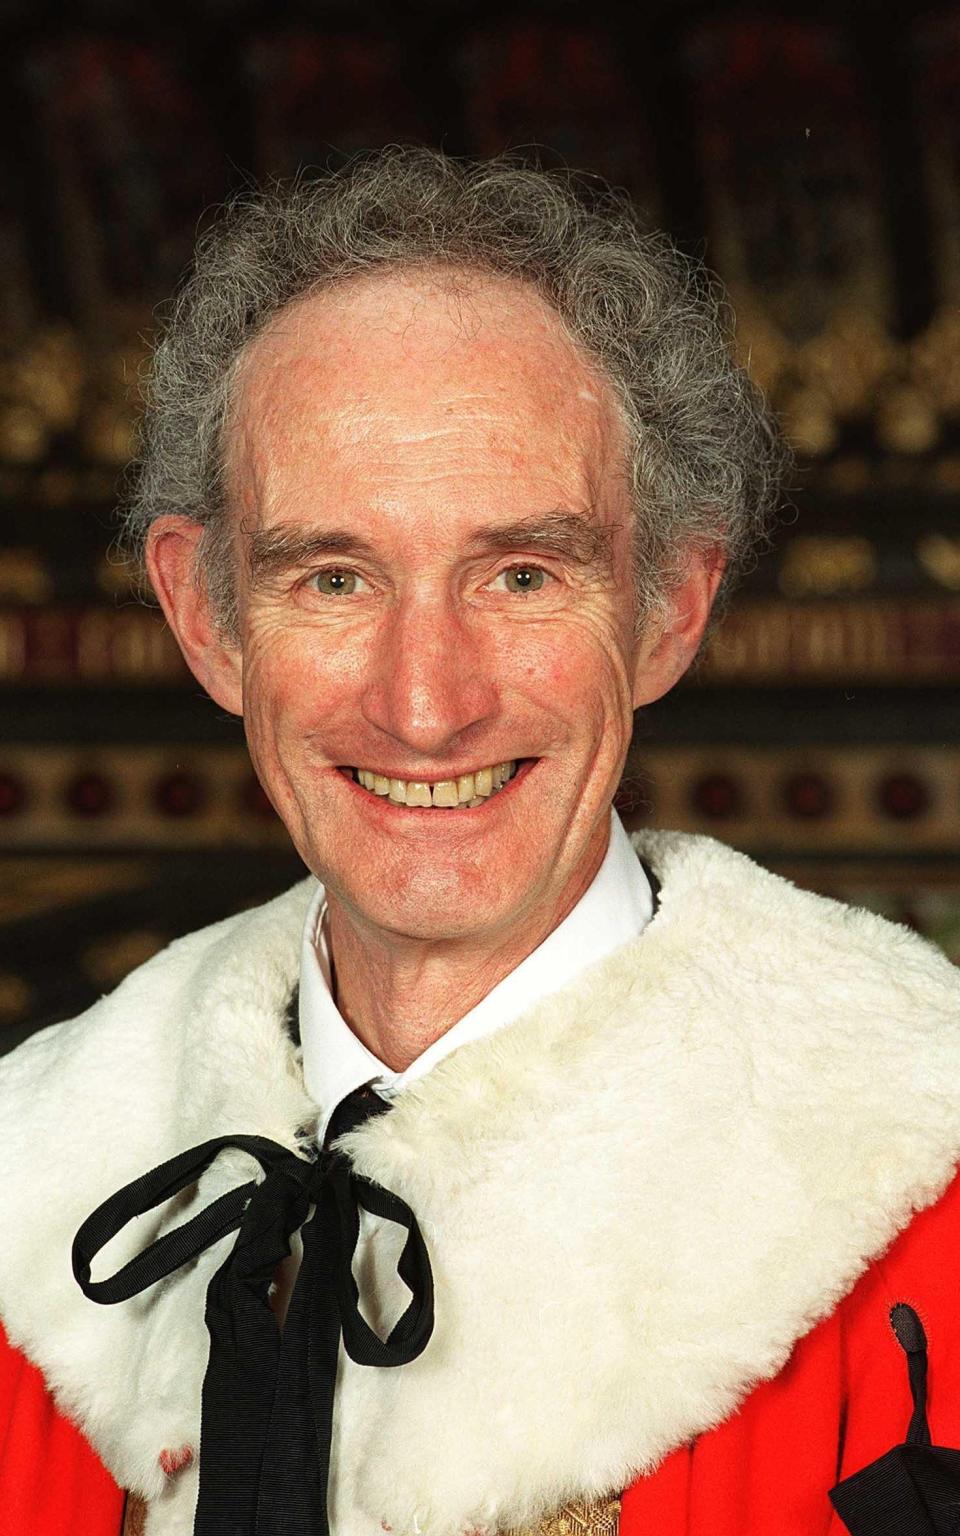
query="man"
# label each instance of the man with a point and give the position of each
(444, 466)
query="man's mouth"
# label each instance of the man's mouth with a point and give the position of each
(463, 793)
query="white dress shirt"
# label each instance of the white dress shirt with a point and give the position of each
(614, 908)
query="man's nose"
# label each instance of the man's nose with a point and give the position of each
(431, 678)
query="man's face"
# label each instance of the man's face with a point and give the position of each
(434, 536)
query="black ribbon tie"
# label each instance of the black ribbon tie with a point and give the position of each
(914, 1490)
(267, 1405)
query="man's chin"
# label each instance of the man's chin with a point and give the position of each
(441, 919)
(441, 903)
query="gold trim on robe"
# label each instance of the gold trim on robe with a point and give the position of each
(600, 1518)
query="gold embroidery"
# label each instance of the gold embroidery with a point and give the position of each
(601, 1518)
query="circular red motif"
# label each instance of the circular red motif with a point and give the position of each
(717, 796)
(89, 794)
(903, 796)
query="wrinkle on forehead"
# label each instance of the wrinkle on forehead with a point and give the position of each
(403, 361)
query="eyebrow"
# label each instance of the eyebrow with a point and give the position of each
(273, 551)
(569, 534)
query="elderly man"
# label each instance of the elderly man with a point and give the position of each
(576, 1176)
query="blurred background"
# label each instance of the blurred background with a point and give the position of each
(810, 153)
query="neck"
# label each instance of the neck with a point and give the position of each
(399, 994)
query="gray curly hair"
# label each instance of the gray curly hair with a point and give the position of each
(705, 459)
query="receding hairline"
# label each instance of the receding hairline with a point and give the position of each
(456, 280)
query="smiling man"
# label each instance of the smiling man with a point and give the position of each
(575, 1175)
(439, 662)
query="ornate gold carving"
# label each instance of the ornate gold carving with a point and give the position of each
(886, 640)
(59, 382)
(36, 885)
(129, 814)
(935, 360)
(905, 419)
(761, 812)
(48, 374)
(96, 645)
(823, 565)
(849, 359)
(23, 434)
(810, 420)
(940, 557)
(853, 368)
(600, 1518)
(761, 346)
(23, 576)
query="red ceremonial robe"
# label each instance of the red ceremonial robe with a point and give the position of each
(766, 1084)
(841, 1401)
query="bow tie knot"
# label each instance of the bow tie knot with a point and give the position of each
(267, 1406)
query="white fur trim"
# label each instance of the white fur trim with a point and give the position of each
(189, 1046)
(636, 1198)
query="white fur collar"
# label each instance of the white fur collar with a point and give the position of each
(636, 1198)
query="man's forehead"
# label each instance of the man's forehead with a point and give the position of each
(363, 397)
(406, 345)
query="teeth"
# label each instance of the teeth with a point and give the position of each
(464, 793)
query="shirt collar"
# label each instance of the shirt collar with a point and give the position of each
(614, 909)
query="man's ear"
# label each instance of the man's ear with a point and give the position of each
(173, 545)
(663, 655)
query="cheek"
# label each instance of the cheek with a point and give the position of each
(548, 674)
(289, 677)
(575, 676)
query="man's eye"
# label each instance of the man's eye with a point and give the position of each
(337, 583)
(523, 578)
